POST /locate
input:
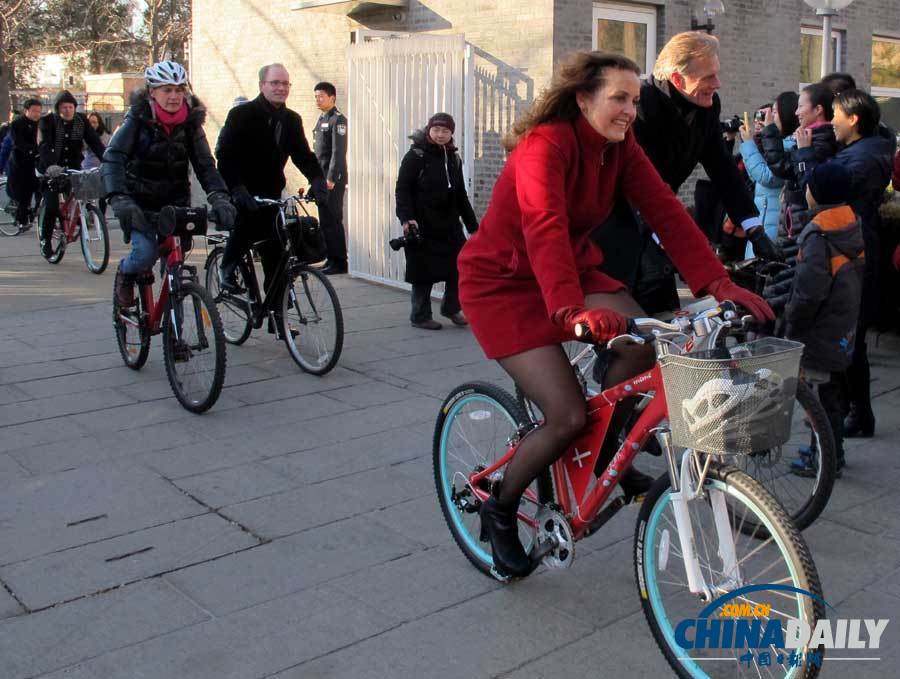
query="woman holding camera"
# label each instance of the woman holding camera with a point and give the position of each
(431, 199)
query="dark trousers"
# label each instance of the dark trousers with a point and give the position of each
(833, 397)
(331, 218)
(51, 213)
(252, 227)
(858, 374)
(421, 300)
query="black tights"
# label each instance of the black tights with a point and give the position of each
(546, 378)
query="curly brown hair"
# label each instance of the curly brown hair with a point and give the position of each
(579, 72)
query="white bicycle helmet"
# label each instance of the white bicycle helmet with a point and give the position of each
(165, 73)
(725, 410)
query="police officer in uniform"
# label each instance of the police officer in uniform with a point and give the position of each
(63, 134)
(330, 146)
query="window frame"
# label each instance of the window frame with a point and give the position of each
(632, 13)
(838, 35)
(891, 92)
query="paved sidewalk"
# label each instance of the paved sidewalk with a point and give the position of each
(293, 531)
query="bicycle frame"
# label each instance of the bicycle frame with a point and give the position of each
(170, 248)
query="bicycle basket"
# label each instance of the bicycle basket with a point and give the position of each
(307, 238)
(736, 400)
(88, 185)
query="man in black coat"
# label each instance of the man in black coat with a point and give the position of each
(253, 147)
(63, 134)
(678, 127)
(330, 146)
(23, 184)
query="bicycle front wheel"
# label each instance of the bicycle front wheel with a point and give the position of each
(312, 324)
(8, 224)
(194, 348)
(233, 310)
(95, 239)
(781, 562)
(799, 474)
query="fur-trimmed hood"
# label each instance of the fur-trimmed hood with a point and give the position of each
(141, 109)
(420, 139)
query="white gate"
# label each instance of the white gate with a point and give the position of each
(395, 85)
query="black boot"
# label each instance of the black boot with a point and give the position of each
(500, 526)
(635, 483)
(859, 425)
(124, 287)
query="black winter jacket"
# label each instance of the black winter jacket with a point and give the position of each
(61, 141)
(151, 167)
(823, 308)
(430, 190)
(255, 144)
(23, 159)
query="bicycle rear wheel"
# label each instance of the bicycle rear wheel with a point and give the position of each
(95, 239)
(233, 310)
(782, 562)
(194, 348)
(803, 496)
(8, 224)
(312, 324)
(56, 247)
(131, 332)
(476, 425)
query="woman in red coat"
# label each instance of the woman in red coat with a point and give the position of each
(529, 274)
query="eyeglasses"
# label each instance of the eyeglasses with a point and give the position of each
(278, 83)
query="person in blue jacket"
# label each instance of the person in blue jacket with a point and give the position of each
(768, 189)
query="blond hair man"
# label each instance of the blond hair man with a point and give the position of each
(678, 128)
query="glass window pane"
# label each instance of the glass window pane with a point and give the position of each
(890, 111)
(885, 63)
(623, 37)
(811, 57)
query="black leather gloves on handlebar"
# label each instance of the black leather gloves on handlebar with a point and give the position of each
(763, 247)
(128, 213)
(725, 289)
(604, 324)
(242, 199)
(319, 189)
(221, 210)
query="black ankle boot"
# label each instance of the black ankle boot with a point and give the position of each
(500, 526)
(859, 425)
(635, 483)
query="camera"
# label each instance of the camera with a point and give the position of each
(732, 124)
(412, 238)
(759, 116)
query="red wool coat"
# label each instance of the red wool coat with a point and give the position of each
(532, 256)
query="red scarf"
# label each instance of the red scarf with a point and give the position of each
(169, 121)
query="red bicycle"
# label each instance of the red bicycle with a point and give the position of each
(78, 218)
(193, 339)
(705, 530)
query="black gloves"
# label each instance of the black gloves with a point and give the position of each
(319, 190)
(242, 199)
(763, 247)
(128, 213)
(221, 210)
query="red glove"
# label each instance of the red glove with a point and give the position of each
(725, 289)
(896, 259)
(604, 324)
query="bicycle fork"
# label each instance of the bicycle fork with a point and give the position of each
(687, 485)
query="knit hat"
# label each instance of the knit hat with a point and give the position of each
(442, 119)
(64, 97)
(829, 183)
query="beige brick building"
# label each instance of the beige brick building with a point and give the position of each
(768, 46)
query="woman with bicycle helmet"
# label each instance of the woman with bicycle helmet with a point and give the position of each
(145, 167)
(529, 275)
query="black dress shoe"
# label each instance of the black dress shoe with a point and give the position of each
(859, 425)
(335, 269)
(500, 526)
(635, 483)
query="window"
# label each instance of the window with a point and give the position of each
(629, 30)
(811, 54)
(886, 78)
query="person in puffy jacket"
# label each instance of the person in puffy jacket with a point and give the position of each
(768, 186)
(431, 196)
(823, 308)
(145, 168)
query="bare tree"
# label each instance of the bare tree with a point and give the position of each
(16, 35)
(167, 26)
